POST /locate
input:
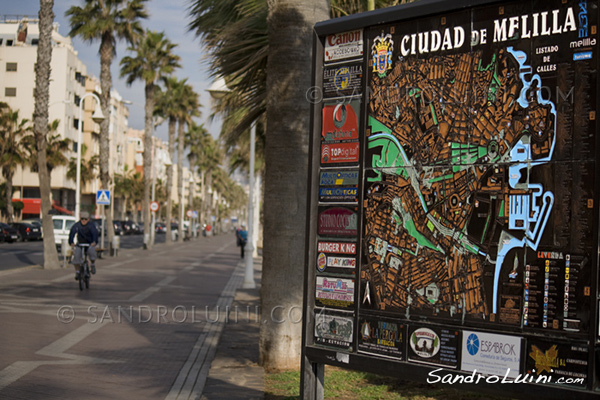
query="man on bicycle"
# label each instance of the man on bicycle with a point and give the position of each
(86, 233)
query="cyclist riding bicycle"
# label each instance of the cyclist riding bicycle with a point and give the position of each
(86, 233)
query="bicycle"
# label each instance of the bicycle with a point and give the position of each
(84, 268)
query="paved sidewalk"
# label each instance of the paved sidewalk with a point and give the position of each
(164, 350)
(235, 373)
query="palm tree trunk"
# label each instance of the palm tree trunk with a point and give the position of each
(286, 152)
(148, 126)
(191, 194)
(172, 125)
(181, 147)
(8, 175)
(106, 58)
(40, 127)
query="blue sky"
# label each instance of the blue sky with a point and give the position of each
(169, 16)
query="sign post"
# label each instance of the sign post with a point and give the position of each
(453, 197)
(102, 199)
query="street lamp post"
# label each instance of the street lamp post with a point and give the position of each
(97, 117)
(217, 90)
(249, 270)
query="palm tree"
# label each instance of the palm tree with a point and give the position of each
(55, 149)
(189, 103)
(153, 60)
(168, 106)
(193, 141)
(12, 131)
(239, 35)
(235, 34)
(40, 126)
(107, 21)
(130, 187)
(88, 167)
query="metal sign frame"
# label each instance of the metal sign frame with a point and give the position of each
(336, 208)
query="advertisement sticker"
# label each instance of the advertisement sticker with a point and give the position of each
(491, 354)
(381, 337)
(433, 346)
(333, 329)
(338, 221)
(343, 80)
(344, 45)
(334, 292)
(339, 178)
(560, 363)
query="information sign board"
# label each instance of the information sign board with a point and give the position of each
(455, 151)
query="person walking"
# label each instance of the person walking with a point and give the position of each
(86, 233)
(242, 238)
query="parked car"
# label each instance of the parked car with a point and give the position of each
(131, 228)
(2, 236)
(27, 231)
(159, 227)
(10, 233)
(118, 227)
(62, 226)
(36, 222)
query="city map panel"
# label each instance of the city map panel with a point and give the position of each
(478, 201)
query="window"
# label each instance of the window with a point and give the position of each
(80, 78)
(34, 42)
(77, 100)
(11, 66)
(9, 42)
(76, 123)
(75, 147)
(10, 92)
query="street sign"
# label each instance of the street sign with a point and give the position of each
(189, 213)
(103, 197)
(194, 214)
(154, 206)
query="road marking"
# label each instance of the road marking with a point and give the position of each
(56, 349)
(153, 289)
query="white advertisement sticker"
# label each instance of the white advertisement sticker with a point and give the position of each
(490, 354)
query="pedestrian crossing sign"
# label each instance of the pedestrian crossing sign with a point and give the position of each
(103, 197)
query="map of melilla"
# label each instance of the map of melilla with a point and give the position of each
(450, 144)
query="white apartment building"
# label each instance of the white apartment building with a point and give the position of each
(69, 83)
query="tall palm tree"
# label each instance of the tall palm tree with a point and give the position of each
(210, 157)
(239, 41)
(107, 21)
(153, 60)
(168, 106)
(40, 126)
(12, 131)
(286, 156)
(193, 141)
(190, 105)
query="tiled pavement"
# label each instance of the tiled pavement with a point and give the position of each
(148, 328)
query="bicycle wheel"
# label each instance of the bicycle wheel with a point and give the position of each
(81, 277)
(86, 277)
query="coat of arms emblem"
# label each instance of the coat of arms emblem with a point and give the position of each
(383, 46)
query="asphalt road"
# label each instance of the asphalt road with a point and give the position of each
(23, 254)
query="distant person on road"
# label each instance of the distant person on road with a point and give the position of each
(242, 237)
(86, 233)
